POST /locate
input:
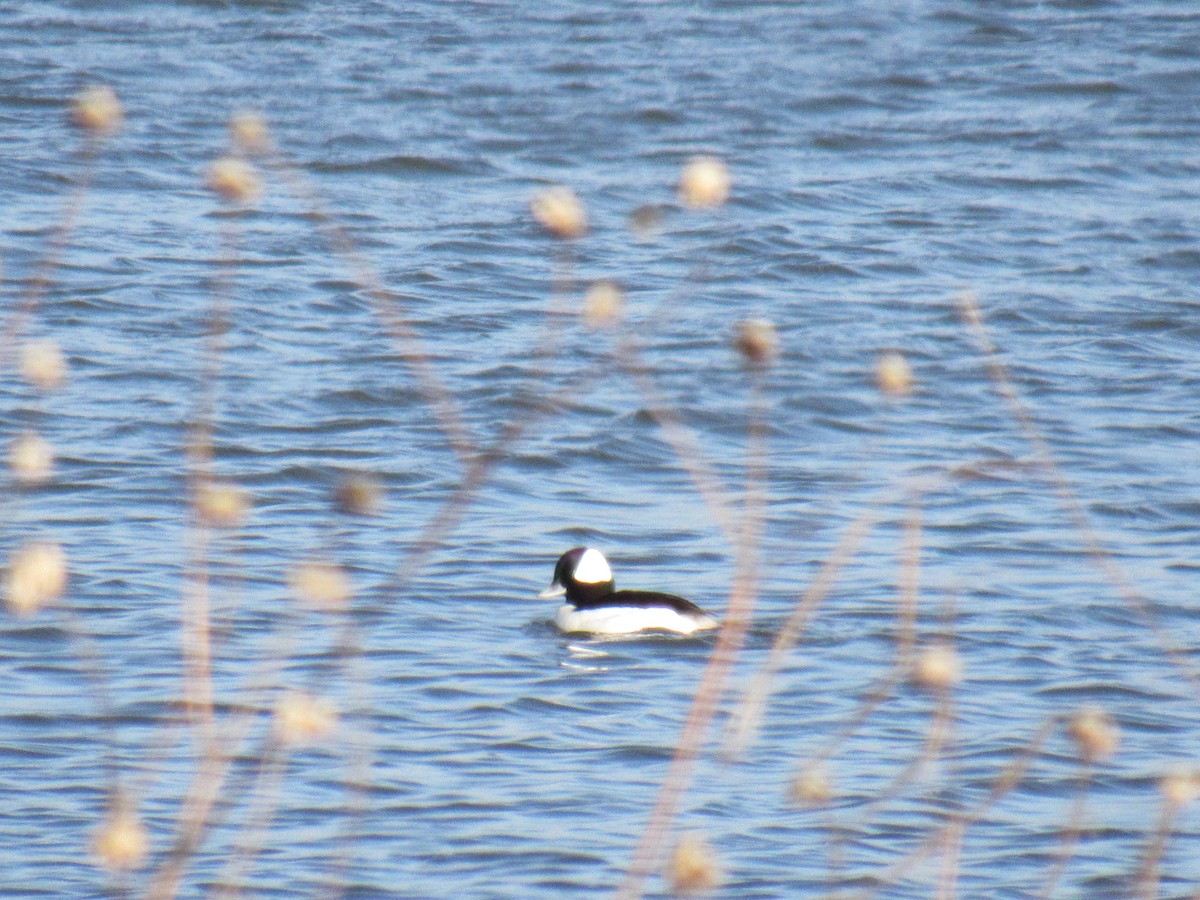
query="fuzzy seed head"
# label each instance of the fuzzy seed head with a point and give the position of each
(705, 183)
(221, 504)
(559, 211)
(43, 365)
(1181, 787)
(37, 575)
(757, 341)
(31, 459)
(812, 787)
(249, 133)
(693, 867)
(645, 221)
(97, 111)
(602, 305)
(893, 374)
(304, 719)
(359, 495)
(937, 669)
(234, 180)
(121, 843)
(1095, 734)
(321, 584)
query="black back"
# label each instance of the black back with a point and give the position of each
(641, 599)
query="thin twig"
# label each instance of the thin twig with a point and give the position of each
(745, 721)
(1069, 836)
(712, 683)
(680, 438)
(67, 223)
(910, 577)
(387, 307)
(1078, 515)
(195, 816)
(265, 801)
(1009, 778)
(1147, 874)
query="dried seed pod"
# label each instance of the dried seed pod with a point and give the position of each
(249, 133)
(937, 669)
(121, 842)
(1095, 734)
(97, 110)
(693, 867)
(645, 221)
(235, 180)
(559, 211)
(1181, 787)
(704, 183)
(320, 583)
(31, 458)
(893, 374)
(602, 305)
(757, 341)
(303, 719)
(359, 495)
(221, 504)
(37, 575)
(811, 787)
(43, 365)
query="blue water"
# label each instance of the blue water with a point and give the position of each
(885, 158)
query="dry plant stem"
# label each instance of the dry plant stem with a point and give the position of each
(264, 803)
(87, 650)
(446, 519)
(67, 224)
(266, 788)
(357, 785)
(729, 642)
(215, 762)
(1075, 510)
(744, 723)
(838, 838)
(936, 739)
(204, 790)
(951, 850)
(873, 699)
(195, 816)
(481, 464)
(253, 694)
(97, 680)
(198, 693)
(479, 468)
(910, 579)
(197, 649)
(231, 577)
(1069, 838)
(680, 439)
(387, 309)
(1009, 778)
(1147, 874)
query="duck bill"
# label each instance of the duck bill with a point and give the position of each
(555, 590)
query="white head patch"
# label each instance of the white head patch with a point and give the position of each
(592, 568)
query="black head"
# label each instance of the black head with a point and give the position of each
(582, 574)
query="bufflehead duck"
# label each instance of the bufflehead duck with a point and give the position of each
(592, 605)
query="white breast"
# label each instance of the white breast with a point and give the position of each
(629, 619)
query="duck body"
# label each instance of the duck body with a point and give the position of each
(593, 605)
